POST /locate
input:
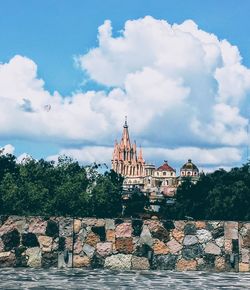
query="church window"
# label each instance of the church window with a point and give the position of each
(164, 172)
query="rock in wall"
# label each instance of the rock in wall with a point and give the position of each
(124, 244)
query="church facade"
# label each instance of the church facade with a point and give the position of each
(128, 161)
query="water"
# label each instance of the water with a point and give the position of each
(39, 279)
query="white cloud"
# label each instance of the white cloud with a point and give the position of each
(87, 154)
(7, 149)
(179, 86)
(216, 157)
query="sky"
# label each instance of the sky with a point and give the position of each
(179, 70)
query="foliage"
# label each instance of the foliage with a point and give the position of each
(63, 188)
(220, 195)
(136, 204)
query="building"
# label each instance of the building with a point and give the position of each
(158, 182)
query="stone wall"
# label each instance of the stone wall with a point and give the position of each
(124, 244)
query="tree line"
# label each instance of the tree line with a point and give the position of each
(220, 195)
(40, 187)
(63, 188)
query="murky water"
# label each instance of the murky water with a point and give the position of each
(105, 279)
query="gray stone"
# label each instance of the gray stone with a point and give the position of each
(34, 257)
(164, 262)
(189, 229)
(109, 224)
(64, 260)
(192, 252)
(204, 236)
(220, 242)
(82, 234)
(65, 227)
(245, 256)
(7, 259)
(146, 237)
(88, 250)
(212, 248)
(243, 231)
(119, 262)
(190, 240)
(218, 232)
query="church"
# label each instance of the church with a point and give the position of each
(128, 161)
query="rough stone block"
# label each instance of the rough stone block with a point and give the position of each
(204, 236)
(200, 225)
(160, 248)
(190, 229)
(109, 224)
(45, 243)
(140, 263)
(192, 252)
(190, 240)
(81, 262)
(219, 264)
(92, 239)
(65, 227)
(97, 261)
(118, 262)
(178, 235)
(146, 237)
(174, 246)
(7, 259)
(164, 262)
(212, 248)
(37, 225)
(179, 225)
(34, 257)
(49, 259)
(124, 245)
(123, 230)
(77, 225)
(89, 250)
(110, 236)
(186, 265)
(243, 267)
(231, 230)
(104, 249)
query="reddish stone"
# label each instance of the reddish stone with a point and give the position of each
(92, 239)
(124, 245)
(123, 230)
(160, 248)
(104, 249)
(246, 240)
(174, 246)
(178, 235)
(37, 226)
(110, 236)
(186, 265)
(79, 262)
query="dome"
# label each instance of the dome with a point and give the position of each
(189, 166)
(165, 167)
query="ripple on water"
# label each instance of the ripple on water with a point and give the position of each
(38, 279)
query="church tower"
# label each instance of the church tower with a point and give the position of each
(125, 160)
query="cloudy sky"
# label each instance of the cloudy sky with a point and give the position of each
(180, 70)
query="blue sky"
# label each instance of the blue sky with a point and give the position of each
(52, 34)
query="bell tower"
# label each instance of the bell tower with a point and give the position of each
(125, 160)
